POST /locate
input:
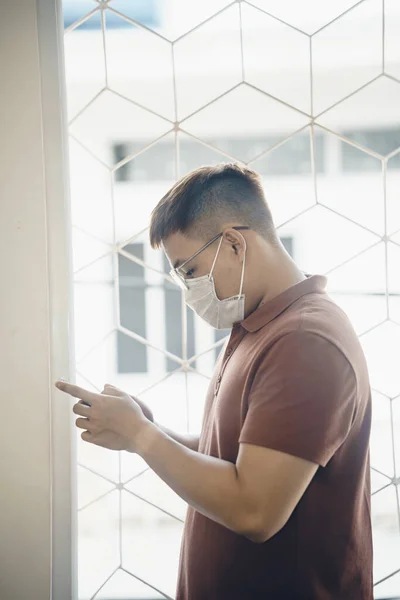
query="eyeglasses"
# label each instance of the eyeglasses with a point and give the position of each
(177, 276)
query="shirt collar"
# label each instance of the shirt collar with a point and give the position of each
(271, 309)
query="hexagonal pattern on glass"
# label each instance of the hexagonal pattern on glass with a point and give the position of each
(98, 537)
(125, 586)
(346, 192)
(111, 119)
(385, 529)
(91, 194)
(389, 588)
(87, 77)
(353, 39)
(323, 229)
(139, 182)
(152, 488)
(146, 553)
(212, 73)
(287, 199)
(156, 90)
(245, 109)
(91, 487)
(359, 287)
(138, 79)
(74, 14)
(309, 16)
(284, 71)
(167, 400)
(176, 21)
(377, 103)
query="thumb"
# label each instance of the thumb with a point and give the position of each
(114, 390)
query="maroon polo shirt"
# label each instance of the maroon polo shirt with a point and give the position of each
(293, 378)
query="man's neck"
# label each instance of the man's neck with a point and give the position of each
(282, 274)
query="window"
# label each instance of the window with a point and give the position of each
(132, 355)
(382, 141)
(292, 158)
(173, 321)
(144, 11)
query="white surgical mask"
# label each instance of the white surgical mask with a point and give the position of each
(201, 296)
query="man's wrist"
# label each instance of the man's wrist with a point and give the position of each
(145, 438)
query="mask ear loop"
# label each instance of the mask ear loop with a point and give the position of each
(244, 262)
(215, 258)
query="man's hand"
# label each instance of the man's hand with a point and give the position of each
(112, 419)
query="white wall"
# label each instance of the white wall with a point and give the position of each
(31, 184)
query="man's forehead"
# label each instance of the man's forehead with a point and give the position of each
(178, 248)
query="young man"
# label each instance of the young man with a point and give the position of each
(278, 482)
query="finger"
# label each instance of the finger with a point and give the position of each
(81, 410)
(77, 392)
(82, 423)
(86, 436)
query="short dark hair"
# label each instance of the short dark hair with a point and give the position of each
(203, 201)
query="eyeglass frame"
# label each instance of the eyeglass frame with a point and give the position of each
(174, 272)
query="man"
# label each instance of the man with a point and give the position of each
(278, 481)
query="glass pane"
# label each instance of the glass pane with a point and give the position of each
(396, 435)
(320, 229)
(143, 112)
(245, 112)
(385, 524)
(90, 189)
(73, 10)
(91, 487)
(392, 40)
(111, 118)
(84, 62)
(390, 588)
(338, 51)
(124, 586)
(146, 552)
(288, 177)
(167, 399)
(359, 287)
(98, 544)
(147, 178)
(93, 305)
(383, 366)
(393, 194)
(148, 81)
(202, 76)
(341, 188)
(309, 15)
(394, 281)
(377, 103)
(381, 436)
(170, 20)
(150, 487)
(284, 71)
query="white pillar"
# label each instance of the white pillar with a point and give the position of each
(35, 449)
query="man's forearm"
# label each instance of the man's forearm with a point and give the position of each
(188, 440)
(209, 484)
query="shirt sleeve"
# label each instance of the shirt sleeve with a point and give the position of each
(302, 399)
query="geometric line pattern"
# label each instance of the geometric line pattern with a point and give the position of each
(239, 52)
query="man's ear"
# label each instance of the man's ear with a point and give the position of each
(235, 240)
